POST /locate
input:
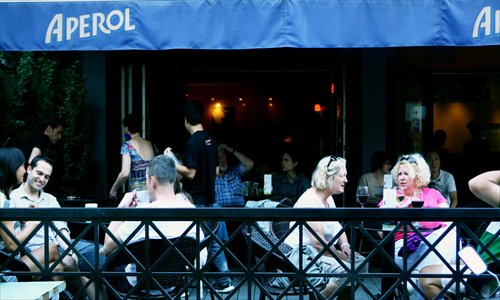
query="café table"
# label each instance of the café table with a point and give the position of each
(75, 201)
(31, 290)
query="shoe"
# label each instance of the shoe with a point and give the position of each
(223, 288)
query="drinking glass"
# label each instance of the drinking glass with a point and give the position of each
(418, 199)
(362, 195)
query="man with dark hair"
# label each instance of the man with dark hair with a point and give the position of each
(201, 160)
(31, 195)
(200, 157)
(50, 132)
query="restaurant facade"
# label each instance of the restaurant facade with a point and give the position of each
(336, 77)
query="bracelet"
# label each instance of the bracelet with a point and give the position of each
(345, 244)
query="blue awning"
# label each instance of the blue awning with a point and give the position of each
(246, 24)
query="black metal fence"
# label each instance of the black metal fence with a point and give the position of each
(255, 255)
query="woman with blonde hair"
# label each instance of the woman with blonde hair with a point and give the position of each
(412, 174)
(329, 178)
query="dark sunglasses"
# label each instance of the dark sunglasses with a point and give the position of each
(332, 159)
(409, 159)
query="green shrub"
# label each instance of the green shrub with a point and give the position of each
(40, 84)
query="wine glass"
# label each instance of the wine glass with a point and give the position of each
(418, 199)
(362, 195)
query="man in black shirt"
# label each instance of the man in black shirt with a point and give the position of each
(51, 130)
(200, 157)
(199, 168)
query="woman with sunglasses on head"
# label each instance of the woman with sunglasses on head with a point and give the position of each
(329, 178)
(412, 175)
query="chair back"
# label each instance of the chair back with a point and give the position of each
(276, 259)
(156, 255)
(261, 246)
(280, 228)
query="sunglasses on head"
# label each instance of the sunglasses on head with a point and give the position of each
(409, 159)
(332, 159)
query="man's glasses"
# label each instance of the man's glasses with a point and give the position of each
(409, 159)
(332, 159)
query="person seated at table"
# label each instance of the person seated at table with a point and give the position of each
(485, 186)
(11, 174)
(31, 195)
(160, 179)
(329, 178)
(412, 176)
(380, 165)
(441, 180)
(228, 183)
(290, 183)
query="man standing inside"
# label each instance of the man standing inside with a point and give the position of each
(200, 157)
(31, 195)
(51, 130)
(198, 171)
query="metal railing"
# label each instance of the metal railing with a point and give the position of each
(250, 273)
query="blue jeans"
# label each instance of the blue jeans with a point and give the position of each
(220, 262)
(87, 250)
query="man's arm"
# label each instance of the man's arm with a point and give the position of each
(109, 243)
(60, 241)
(486, 186)
(128, 200)
(185, 171)
(244, 160)
(10, 244)
(34, 153)
(181, 169)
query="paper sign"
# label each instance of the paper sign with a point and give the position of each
(389, 198)
(268, 184)
(387, 181)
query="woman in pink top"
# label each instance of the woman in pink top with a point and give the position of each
(412, 174)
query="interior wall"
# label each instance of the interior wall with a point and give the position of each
(453, 119)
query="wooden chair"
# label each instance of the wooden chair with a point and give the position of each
(152, 257)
